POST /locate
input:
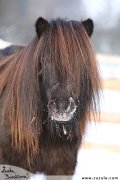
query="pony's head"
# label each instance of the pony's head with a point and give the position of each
(68, 76)
(51, 84)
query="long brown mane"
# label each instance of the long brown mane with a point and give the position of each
(66, 47)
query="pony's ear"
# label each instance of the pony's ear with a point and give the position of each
(41, 25)
(89, 26)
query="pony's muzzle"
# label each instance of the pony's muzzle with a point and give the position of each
(62, 109)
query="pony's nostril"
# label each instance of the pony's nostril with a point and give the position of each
(72, 105)
(52, 105)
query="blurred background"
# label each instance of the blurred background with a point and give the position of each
(100, 152)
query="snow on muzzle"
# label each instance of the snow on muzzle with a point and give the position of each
(62, 109)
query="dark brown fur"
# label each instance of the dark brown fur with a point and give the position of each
(28, 139)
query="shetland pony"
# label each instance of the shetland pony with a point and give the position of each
(48, 90)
